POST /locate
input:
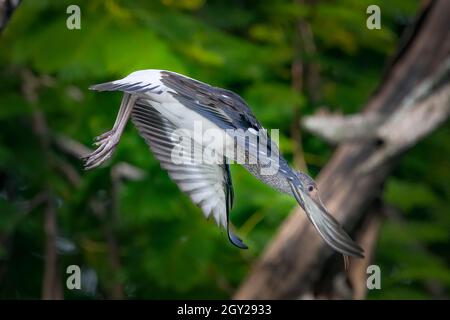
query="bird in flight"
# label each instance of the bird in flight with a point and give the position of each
(168, 108)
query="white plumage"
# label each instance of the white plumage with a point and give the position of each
(175, 113)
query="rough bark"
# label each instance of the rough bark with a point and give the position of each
(297, 262)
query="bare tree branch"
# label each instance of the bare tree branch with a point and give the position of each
(51, 285)
(398, 130)
(366, 237)
(305, 79)
(297, 262)
(336, 128)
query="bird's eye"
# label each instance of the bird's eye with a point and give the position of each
(310, 188)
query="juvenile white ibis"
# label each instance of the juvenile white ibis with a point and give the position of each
(166, 107)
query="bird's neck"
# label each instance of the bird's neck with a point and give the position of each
(278, 179)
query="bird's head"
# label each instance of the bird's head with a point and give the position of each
(305, 188)
(306, 193)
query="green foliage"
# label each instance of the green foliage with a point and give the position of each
(166, 248)
(413, 249)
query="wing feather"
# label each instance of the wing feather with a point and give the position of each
(208, 185)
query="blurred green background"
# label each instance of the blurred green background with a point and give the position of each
(144, 238)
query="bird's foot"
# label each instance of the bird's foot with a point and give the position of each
(106, 143)
(99, 139)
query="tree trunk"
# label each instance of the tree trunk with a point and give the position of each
(413, 99)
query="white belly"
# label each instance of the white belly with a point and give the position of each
(203, 131)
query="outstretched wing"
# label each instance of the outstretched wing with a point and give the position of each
(208, 185)
(227, 110)
(221, 106)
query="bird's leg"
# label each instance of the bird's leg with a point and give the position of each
(108, 141)
(98, 140)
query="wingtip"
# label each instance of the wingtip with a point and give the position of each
(235, 240)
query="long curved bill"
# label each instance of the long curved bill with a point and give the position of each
(327, 226)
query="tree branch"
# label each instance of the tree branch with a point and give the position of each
(416, 111)
(295, 262)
